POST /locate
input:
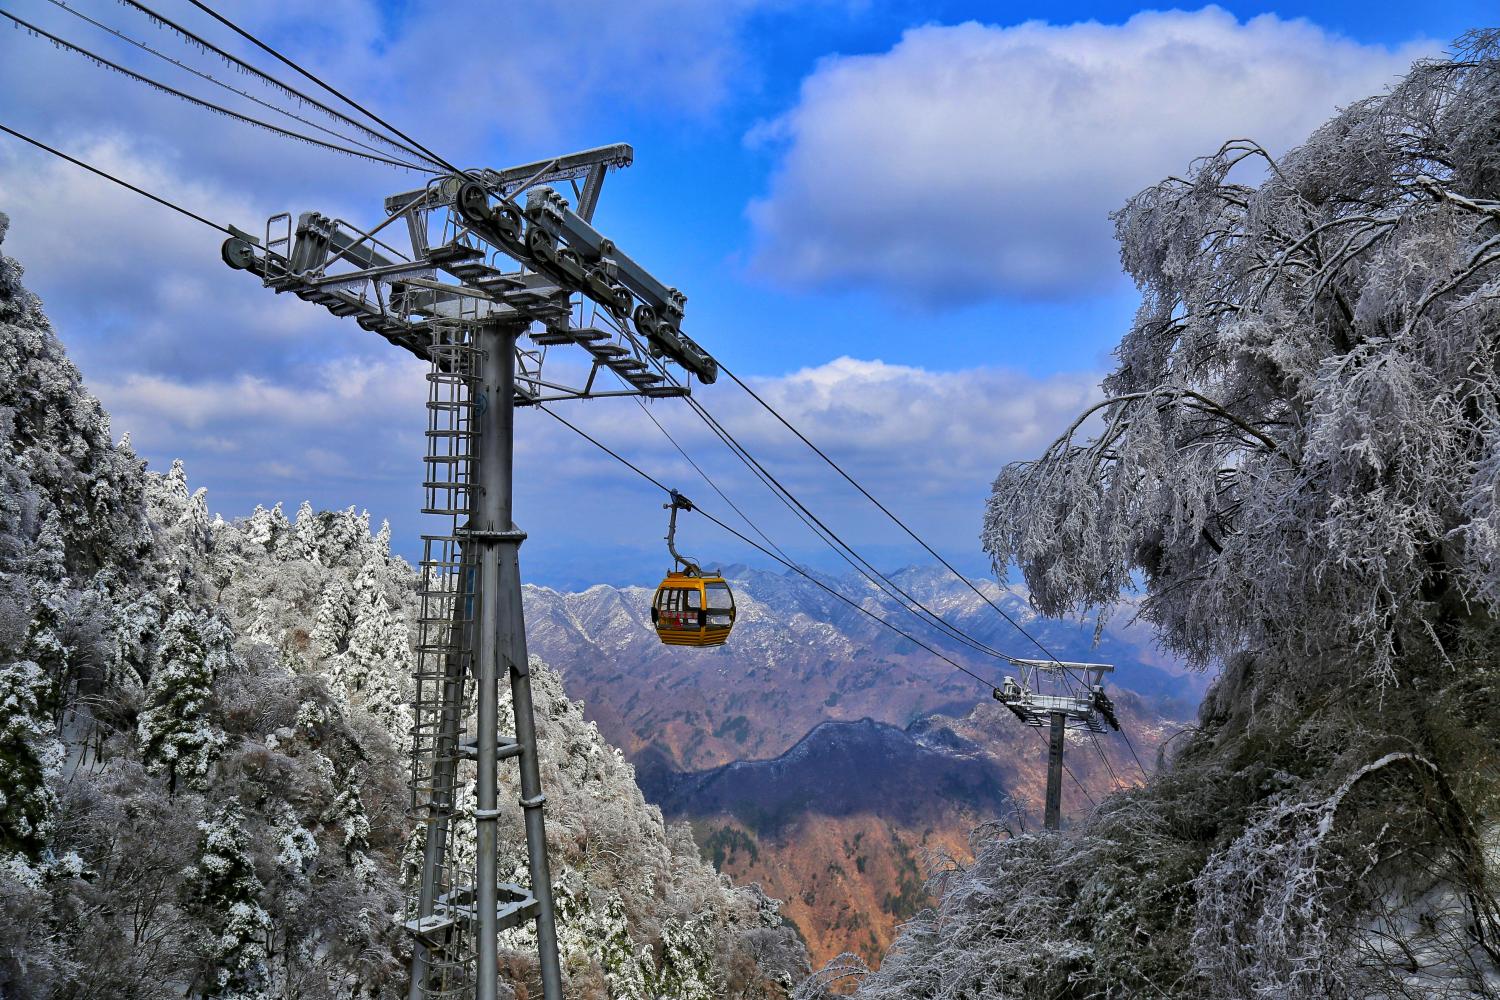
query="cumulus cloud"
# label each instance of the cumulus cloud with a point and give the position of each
(977, 160)
(920, 431)
(927, 443)
(268, 398)
(459, 77)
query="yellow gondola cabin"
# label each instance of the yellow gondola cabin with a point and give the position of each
(691, 607)
(692, 610)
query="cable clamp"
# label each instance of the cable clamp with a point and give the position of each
(486, 815)
(535, 802)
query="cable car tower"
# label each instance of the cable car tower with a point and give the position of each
(489, 257)
(1062, 696)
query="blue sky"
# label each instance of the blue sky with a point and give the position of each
(894, 216)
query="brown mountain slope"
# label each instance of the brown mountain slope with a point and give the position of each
(847, 825)
(798, 658)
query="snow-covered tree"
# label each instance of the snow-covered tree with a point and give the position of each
(179, 646)
(30, 757)
(347, 815)
(222, 892)
(266, 528)
(330, 633)
(46, 572)
(1295, 458)
(178, 735)
(377, 654)
(1296, 449)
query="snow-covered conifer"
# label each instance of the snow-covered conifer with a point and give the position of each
(267, 529)
(46, 572)
(376, 657)
(222, 893)
(348, 817)
(177, 731)
(305, 532)
(296, 847)
(330, 632)
(30, 756)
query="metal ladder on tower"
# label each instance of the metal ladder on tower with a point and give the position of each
(462, 637)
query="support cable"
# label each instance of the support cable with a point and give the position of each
(1103, 758)
(705, 476)
(762, 549)
(778, 490)
(923, 543)
(963, 637)
(290, 91)
(1131, 747)
(336, 93)
(1046, 749)
(861, 565)
(200, 102)
(787, 561)
(888, 513)
(791, 566)
(221, 84)
(124, 184)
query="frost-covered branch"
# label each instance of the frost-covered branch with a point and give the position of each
(1294, 453)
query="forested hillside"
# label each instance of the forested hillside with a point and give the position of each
(202, 762)
(1299, 460)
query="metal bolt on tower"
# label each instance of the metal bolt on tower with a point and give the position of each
(480, 273)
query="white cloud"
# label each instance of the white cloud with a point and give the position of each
(342, 394)
(978, 160)
(923, 432)
(268, 398)
(458, 76)
(927, 443)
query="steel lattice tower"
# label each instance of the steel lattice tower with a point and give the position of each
(486, 288)
(1061, 696)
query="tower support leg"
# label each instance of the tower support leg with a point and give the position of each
(501, 640)
(1055, 772)
(439, 809)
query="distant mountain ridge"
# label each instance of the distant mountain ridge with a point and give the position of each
(799, 657)
(837, 769)
(828, 759)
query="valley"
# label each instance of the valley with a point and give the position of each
(830, 760)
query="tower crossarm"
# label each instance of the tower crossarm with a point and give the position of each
(477, 255)
(1048, 688)
(568, 167)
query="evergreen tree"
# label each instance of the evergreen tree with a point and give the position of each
(305, 533)
(330, 634)
(49, 585)
(379, 636)
(266, 529)
(178, 737)
(347, 813)
(377, 654)
(29, 755)
(222, 894)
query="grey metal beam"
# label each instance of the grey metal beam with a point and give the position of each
(558, 168)
(588, 199)
(496, 419)
(1053, 818)
(502, 634)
